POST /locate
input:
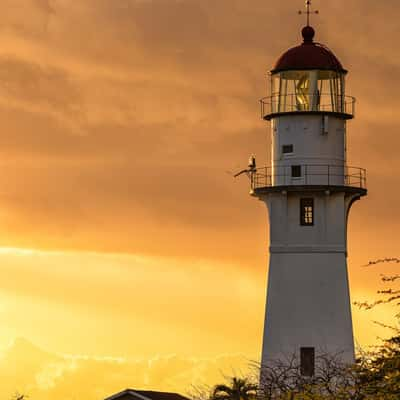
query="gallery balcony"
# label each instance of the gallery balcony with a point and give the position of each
(309, 177)
(276, 105)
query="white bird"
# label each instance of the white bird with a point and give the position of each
(252, 167)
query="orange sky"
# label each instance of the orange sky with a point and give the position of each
(123, 233)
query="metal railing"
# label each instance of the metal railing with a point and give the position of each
(290, 103)
(309, 174)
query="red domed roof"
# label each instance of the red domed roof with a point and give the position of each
(309, 55)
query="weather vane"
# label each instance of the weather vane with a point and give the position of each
(308, 11)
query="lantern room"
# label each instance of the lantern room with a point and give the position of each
(308, 79)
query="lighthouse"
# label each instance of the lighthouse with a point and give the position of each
(309, 190)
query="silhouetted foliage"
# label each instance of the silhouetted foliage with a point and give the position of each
(333, 379)
(237, 389)
(381, 376)
(18, 396)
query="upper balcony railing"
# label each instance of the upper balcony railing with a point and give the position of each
(309, 175)
(300, 103)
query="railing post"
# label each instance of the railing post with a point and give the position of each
(306, 174)
(269, 176)
(365, 179)
(329, 175)
(284, 176)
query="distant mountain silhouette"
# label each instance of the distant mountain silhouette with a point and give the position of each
(19, 365)
(23, 351)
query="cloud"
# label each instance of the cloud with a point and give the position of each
(94, 377)
(122, 122)
(128, 302)
(30, 88)
(120, 119)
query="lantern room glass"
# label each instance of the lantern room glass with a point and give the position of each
(308, 90)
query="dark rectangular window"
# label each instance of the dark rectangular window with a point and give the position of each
(306, 212)
(296, 171)
(287, 148)
(307, 361)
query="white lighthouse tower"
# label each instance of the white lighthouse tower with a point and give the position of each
(308, 190)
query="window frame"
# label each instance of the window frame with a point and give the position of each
(307, 219)
(296, 168)
(287, 146)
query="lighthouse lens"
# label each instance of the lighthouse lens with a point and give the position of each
(312, 90)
